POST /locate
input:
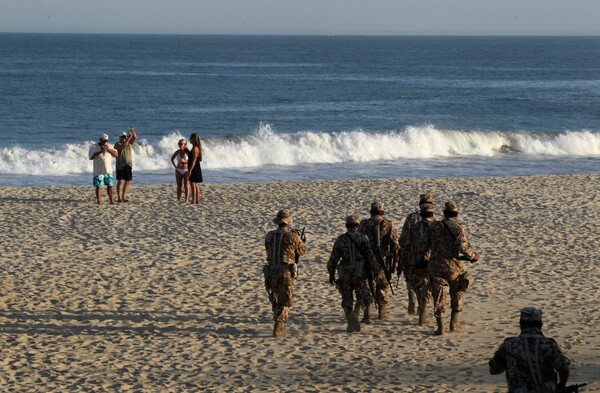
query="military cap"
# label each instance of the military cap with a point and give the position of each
(426, 198)
(451, 206)
(352, 220)
(531, 314)
(283, 216)
(427, 207)
(377, 207)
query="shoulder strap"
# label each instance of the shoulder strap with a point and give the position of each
(449, 230)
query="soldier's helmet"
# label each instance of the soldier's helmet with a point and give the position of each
(376, 207)
(451, 206)
(352, 220)
(531, 314)
(283, 217)
(427, 207)
(426, 198)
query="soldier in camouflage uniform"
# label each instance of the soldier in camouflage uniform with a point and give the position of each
(445, 240)
(352, 248)
(531, 361)
(284, 246)
(413, 257)
(388, 245)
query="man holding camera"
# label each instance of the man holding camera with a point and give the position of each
(101, 154)
(124, 163)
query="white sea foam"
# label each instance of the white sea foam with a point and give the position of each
(267, 147)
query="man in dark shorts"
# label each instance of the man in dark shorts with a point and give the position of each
(124, 163)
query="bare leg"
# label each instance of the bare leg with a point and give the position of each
(186, 184)
(119, 190)
(125, 188)
(109, 191)
(179, 179)
(98, 194)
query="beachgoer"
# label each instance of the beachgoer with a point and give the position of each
(179, 159)
(412, 257)
(352, 248)
(124, 163)
(531, 361)
(445, 240)
(383, 235)
(195, 172)
(101, 154)
(284, 246)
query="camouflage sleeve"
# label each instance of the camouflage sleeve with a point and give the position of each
(404, 239)
(334, 258)
(463, 244)
(394, 245)
(559, 360)
(498, 362)
(300, 246)
(268, 246)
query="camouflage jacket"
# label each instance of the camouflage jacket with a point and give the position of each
(351, 253)
(527, 358)
(388, 236)
(283, 245)
(445, 246)
(412, 239)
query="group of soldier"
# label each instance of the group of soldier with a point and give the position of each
(432, 253)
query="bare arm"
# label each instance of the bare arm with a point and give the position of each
(173, 158)
(132, 136)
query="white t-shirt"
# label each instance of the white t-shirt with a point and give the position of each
(102, 163)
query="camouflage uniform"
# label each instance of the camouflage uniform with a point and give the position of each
(388, 241)
(283, 246)
(530, 359)
(412, 255)
(444, 268)
(352, 248)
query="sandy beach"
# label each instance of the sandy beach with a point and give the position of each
(155, 296)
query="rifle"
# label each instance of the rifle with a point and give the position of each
(297, 258)
(381, 261)
(571, 388)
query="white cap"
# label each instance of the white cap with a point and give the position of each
(104, 137)
(123, 133)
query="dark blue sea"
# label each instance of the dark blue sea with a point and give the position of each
(295, 108)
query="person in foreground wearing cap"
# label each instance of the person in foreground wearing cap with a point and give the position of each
(284, 246)
(101, 154)
(383, 235)
(414, 257)
(124, 163)
(354, 250)
(445, 240)
(531, 361)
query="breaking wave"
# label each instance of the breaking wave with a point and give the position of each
(267, 147)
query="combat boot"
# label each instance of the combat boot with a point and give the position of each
(423, 316)
(367, 316)
(383, 316)
(454, 323)
(412, 300)
(353, 323)
(279, 330)
(440, 326)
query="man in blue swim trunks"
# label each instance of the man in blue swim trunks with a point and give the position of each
(101, 154)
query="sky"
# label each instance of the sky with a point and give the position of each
(339, 17)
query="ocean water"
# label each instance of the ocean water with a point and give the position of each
(292, 108)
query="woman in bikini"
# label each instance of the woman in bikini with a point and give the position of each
(179, 159)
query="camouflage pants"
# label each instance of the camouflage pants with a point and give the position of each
(417, 280)
(347, 287)
(439, 284)
(382, 295)
(282, 292)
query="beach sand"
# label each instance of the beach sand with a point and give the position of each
(156, 296)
